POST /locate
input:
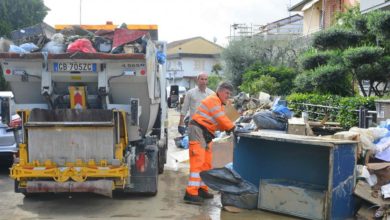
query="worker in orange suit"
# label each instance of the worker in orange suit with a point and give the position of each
(209, 117)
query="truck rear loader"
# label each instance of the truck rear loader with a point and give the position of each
(91, 122)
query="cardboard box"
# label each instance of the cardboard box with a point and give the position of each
(231, 112)
(222, 153)
(299, 127)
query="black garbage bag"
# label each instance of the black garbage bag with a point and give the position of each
(269, 120)
(235, 191)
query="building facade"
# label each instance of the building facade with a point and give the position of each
(320, 14)
(281, 29)
(186, 58)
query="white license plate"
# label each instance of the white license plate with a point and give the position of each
(74, 66)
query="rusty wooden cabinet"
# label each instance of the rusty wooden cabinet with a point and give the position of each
(304, 176)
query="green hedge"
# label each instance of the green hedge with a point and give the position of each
(345, 113)
(334, 38)
(355, 57)
(313, 59)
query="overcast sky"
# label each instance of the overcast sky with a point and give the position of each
(177, 19)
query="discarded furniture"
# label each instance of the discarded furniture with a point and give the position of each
(309, 177)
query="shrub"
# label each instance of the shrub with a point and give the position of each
(313, 59)
(345, 115)
(334, 38)
(213, 80)
(304, 82)
(357, 56)
(379, 22)
(332, 79)
(271, 79)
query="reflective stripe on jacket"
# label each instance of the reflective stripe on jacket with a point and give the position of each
(211, 115)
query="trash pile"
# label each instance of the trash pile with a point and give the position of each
(43, 38)
(261, 113)
(373, 169)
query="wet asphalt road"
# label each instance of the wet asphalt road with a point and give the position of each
(167, 204)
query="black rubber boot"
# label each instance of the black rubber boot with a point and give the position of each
(197, 200)
(204, 194)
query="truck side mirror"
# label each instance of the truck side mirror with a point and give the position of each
(173, 98)
(5, 111)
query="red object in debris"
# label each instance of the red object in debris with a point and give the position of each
(81, 45)
(109, 34)
(124, 36)
(140, 162)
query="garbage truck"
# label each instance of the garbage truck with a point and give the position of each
(91, 122)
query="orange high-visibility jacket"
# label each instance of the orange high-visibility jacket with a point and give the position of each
(211, 115)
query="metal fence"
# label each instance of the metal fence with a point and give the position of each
(329, 113)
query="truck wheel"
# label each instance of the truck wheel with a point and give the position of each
(162, 154)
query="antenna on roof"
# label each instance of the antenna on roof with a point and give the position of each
(80, 12)
(288, 8)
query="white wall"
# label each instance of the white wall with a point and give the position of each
(190, 67)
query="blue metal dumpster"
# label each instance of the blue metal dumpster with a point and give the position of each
(295, 173)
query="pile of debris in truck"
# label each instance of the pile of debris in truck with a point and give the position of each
(71, 39)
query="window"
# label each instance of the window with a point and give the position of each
(199, 65)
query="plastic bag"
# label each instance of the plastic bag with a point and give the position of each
(282, 110)
(58, 38)
(4, 45)
(54, 47)
(382, 145)
(160, 57)
(269, 120)
(378, 133)
(81, 45)
(235, 191)
(366, 138)
(30, 47)
(16, 49)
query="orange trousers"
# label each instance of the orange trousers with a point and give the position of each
(200, 160)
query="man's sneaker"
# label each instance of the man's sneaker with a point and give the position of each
(204, 194)
(193, 199)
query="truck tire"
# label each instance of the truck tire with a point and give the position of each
(162, 154)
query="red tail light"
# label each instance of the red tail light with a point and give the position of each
(140, 162)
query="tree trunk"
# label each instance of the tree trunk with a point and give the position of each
(362, 88)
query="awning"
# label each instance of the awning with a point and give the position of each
(309, 4)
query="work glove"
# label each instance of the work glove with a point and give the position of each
(228, 132)
(181, 129)
(240, 129)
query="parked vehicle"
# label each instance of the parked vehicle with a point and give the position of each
(175, 94)
(8, 142)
